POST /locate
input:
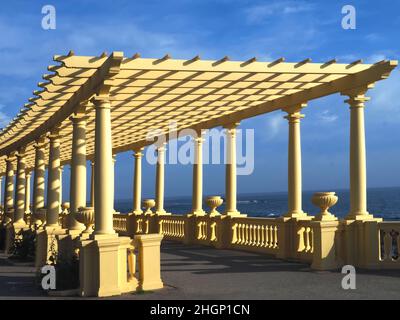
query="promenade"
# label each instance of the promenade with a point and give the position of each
(198, 272)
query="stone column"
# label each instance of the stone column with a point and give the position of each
(358, 170)
(197, 197)
(39, 176)
(9, 185)
(230, 167)
(92, 184)
(78, 170)
(137, 182)
(60, 199)
(53, 181)
(160, 179)
(294, 162)
(1, 185)
(27, 193)
(114, 160)
(103, 177)
(19, 204)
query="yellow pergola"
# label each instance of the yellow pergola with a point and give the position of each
(94, 107)
(148, 93)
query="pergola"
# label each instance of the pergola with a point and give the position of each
(95, 107)
(148, 93)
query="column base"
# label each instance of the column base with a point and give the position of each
(359, 216)
(325, 217)
(295, 214)
(197, 213)
(162, 213)
(103, 266)
(234, 214)
(137, 212)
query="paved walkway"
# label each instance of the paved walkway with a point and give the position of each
(196, 272)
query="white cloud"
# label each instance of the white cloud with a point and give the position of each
(259, 13)
(327, 116)
(274, 125)
(4, 119)
(384, 104)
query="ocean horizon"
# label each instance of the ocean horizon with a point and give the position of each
(383, 202)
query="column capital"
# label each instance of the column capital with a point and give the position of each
(101, 101)
(138, 152)
(162, 147)
(295, 108)
(40, 143)
(20, 153)
(54, 134)
(294, 117)
(357, 96)
(231, 126)
(78, 118)
(199, 137)
(11, 157)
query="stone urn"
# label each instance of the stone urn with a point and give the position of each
(64, 213)
(40, 216)
(148, 204)
(65, 207)
(324, 200)
(214, 202)
(85, 215)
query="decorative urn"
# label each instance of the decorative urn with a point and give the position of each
(148, 204)
(214, 202)
(324, 200)
(85, 215)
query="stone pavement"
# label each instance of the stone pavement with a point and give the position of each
(196, 272)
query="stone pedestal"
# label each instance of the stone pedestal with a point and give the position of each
(103, 266)
(324, 251)
(149, 261)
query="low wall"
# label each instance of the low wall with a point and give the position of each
(372, 244)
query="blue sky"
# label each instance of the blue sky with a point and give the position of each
(240, 29)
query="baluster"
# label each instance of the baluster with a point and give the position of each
(266, 235)
(247, 239)
(387, 245)
(275, 237)
(307, 239)
(234, 239)
(131, 264)
(258, 235)
(398, 246)
(300, 239)
(240, 233)
(251, 235)
(311, 240)
(256, 238)
(262, 237)
(271, 236)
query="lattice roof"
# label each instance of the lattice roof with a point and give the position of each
(147, 94)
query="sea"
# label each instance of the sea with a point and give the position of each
(382, 203)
